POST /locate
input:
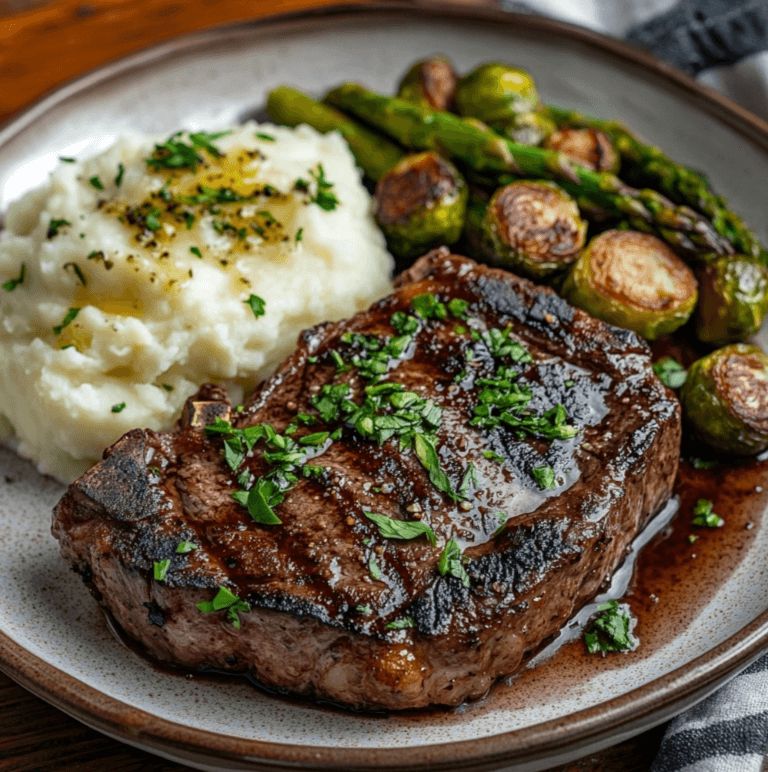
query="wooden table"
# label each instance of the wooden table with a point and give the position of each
(44, 43)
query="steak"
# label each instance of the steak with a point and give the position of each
(523, 443)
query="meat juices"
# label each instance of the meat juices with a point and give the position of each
(337, 610)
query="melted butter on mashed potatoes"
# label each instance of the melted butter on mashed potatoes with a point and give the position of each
(135, 276)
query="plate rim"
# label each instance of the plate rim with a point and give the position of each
(631, 712)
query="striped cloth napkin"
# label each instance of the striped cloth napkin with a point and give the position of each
(723, 44)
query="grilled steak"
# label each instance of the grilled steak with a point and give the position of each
(437, 407)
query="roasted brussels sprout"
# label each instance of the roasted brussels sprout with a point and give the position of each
(589, 147)
(733, 299)
(532, 228)
(505, 98)
(420, 204)
(633, 280)
(725, 399)
(430, 83)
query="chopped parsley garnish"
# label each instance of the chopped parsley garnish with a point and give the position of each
(174, 153)
(265, 137)
(700, 463)
(69, 317)
(299, 234)
(364, 609)
(323, 197)
(185, 546)
(196, 252)
(569, 384)
(208, 196)
(66, 160)
(152, 219)
(704, 516)
(257, 305)
(54, 225)
(544, 476)
(120, 173)
(167, 386)
(118, 408)
(451, 562)
(390, 528)
(670, 372)
(203, 140)
(96, 183)
(161, 569)
(427, 454)
(404, 324)
(500, 345)
(491, 456)
(95, 255)
(692, 538)
(458, 308)
(374, 569)
(260, 501)
(400, 624)
(612, 630)
(11, 284)
(189, 220)
(329, 400)
(78, 273)
(470, 476)
(427, 306)
(226, 601)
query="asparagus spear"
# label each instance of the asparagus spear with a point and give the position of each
(494, 156)
(374, 154)
(680, 183)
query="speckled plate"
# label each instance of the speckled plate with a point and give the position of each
(704, 605)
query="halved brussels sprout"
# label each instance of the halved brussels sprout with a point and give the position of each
(633, 280)
(420, 204)
(430, 83)
(589, 147)
(533, 228)
(725, 399)
(733, 299)
(507, 99)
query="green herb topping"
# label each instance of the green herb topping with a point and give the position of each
(120, 174)
(226, 601)
(118, 408)
(265, 137)
(704, 516)
(544, 476)
(11, 284)
(612, 630)
(670, 372)
(196, 252)
(400, 624)
(324, 198)
(374, 569)
(299, 234)
(257, 305)
(54, 225)
(427, 306)
(78, 273)
(96, 183)
(66, 160)
(185, 546)
(451, 562)
(390, 528)
(161, 569)
(69, 317)
(177, 154)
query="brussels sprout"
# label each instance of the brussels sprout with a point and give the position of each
(633, 280)
(733, 299)
(725, 399)
(505, 98)
(589, 147)
(420, 204)
(430, 83)
(533, 228)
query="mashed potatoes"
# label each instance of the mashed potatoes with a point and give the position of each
(133, 277)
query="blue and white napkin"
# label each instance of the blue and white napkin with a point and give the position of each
(723, 44)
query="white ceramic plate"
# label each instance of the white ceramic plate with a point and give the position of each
(54, 639)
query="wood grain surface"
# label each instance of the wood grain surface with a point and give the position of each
(43, 44)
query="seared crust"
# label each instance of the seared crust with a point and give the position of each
(308, 579)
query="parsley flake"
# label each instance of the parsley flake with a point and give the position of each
(704, 516)
(670, 372)
(299, 235)
(451, 562)
(11, 284)
(185, 546)
(66, 160)
(196, 252)
(323, 197)
(364, 609)
(612, 630)
(257, 305)
(226, 600)
(96, 183)
(265, 137)
(390, 528)
(118, 408)
(161, 569)
(374, 569)
(54, 225)
(120, 173)
(545, 477)
(70, 316)
(427, 306)
(400, 624)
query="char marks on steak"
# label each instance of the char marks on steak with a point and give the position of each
(337, 610)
